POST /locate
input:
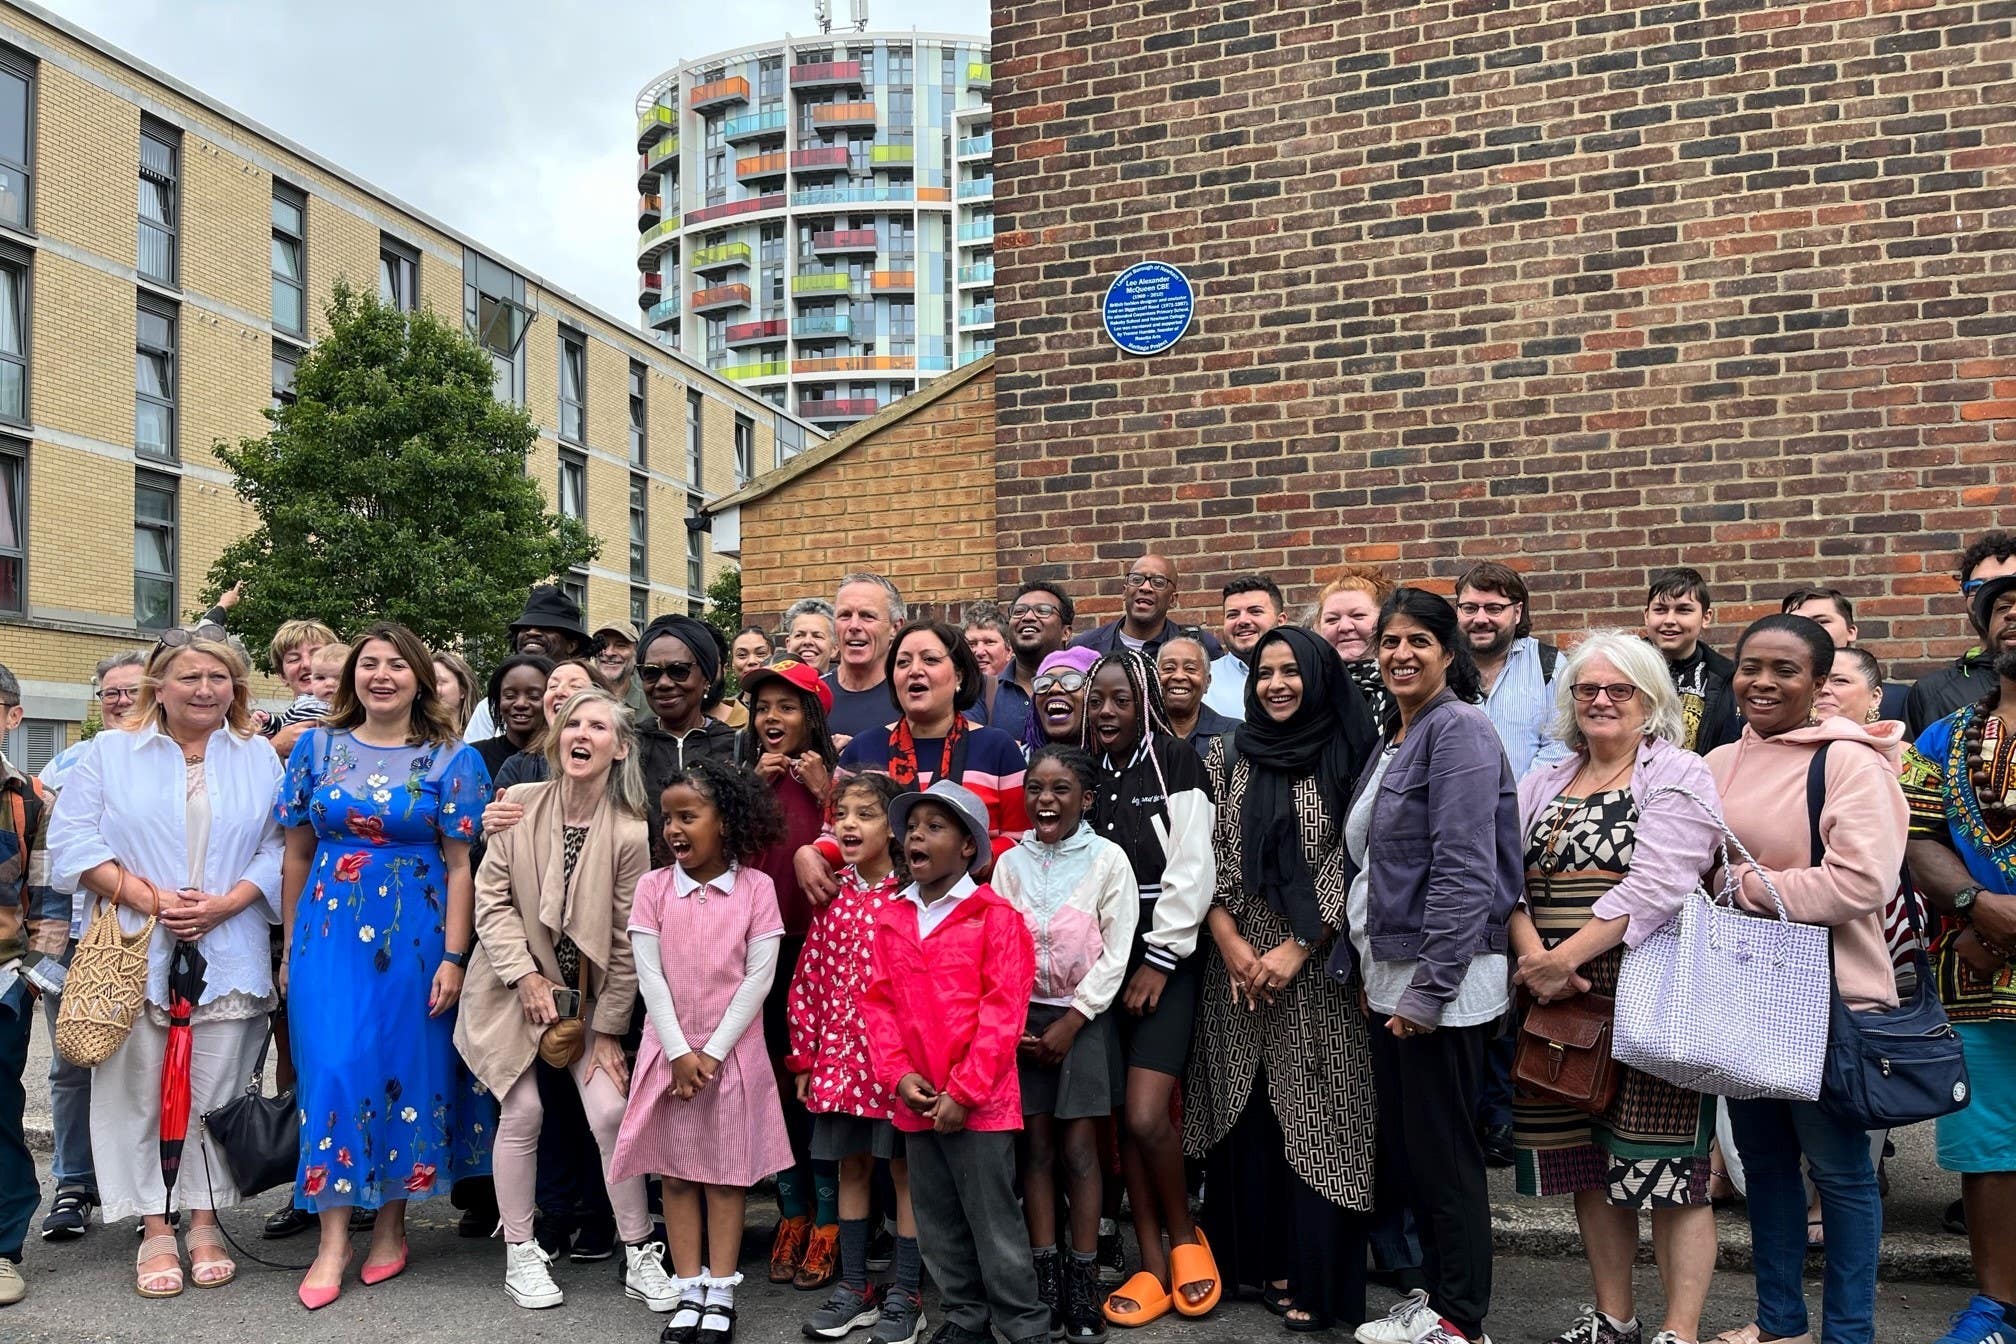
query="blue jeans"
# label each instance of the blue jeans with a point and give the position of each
(69, 1113)
(20, 1188)
(1771, 1136)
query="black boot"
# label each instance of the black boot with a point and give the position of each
(1050, 1288)
(1084, 1322)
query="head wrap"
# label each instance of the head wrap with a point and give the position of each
(695, 634)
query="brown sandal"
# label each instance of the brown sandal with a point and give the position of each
(158, 1282)
(209, 1273)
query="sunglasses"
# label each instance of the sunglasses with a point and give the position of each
(179, 637)
(1618, 692)
(659, 671)
(1067, 682)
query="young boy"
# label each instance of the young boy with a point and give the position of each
(318, 688)
(1677, 611)
(291, 656)
(950, 976)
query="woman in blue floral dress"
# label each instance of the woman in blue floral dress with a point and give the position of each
(381, 804)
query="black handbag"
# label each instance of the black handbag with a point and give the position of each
(1888, 1067)
(260, 1135)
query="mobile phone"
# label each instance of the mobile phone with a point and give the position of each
(567, 1003)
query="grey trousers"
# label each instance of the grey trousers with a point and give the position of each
(970, 1229)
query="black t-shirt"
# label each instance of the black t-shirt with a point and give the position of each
(855, 712)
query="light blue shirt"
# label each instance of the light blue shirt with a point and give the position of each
(1227, 693)
(1519, 705)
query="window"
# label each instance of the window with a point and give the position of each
(900, 327)
(398, 274)
(290, 254)
(13, 335)
(13, 526)
(745, 450)
(640, 556)
(573, 386)
(34, 742)
(717, 179)
(693, 462)
(696, 559)
(575, 584)
(640, 607)
(153, 551)
(494, 311)
(899, 238)
(769, 86)
(574, 487)
(771, 244)
(284, 359)
(790, 439)
(160, 162)
(154, 380)
(17, 135)
(638, 414)
(717, 338)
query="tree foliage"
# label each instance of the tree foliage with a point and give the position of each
(393, 488)
(724, 603)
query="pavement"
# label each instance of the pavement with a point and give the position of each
(83, 1291)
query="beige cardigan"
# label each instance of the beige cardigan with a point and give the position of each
(522, 906)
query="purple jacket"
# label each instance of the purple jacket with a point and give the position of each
(1675, 843)
(1444, 855)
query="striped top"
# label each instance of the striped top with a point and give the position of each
(993, 771)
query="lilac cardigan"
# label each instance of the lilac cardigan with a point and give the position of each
(1675, 843)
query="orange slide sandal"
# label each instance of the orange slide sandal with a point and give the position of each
(1194, 1264)
(1145, 1291)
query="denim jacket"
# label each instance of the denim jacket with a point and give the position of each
(1442, 882)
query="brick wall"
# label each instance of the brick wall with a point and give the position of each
(909, 494)
(1590, 287)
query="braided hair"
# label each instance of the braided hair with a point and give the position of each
(1146, 686)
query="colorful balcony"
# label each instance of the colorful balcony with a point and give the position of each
(978, 350)
(832, 116)
(656, 241)
(728, 210)
(829, 160)
(816, 196)
(650, 289)
(979, 273)
(717, 297)
(759, 166)
(720, 257)
(977, 188)
(934, 193)
(892, 156)
(756, 125)
(855, 364)
(822, 285)
(660, 158)
(769, 368)
(838, 408)
(892, 282)
(770, 331)
(825, 324)
(934, 363)
(827, 242)
(827, 75)
(980, 231)
(650, 209)
(980, 75)
(659, 316)
(654, 123)
(722, 92)
(982, 316)
(977, 146)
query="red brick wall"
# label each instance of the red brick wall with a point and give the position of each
(1592, 287)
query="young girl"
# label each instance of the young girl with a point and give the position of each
(1077, 894)
(948, 990)
(703, 1110)
(829, 1057)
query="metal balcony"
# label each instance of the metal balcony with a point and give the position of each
(825, 324)
(650, 209)
(827, 242)
(978, 273)
(976, 188)
(934, 363)
(815, 196)
(838, 408)
(759, 166)
(981, 231)
(717, 297)
(832, 159)
(656, 241)
(892, 282)
(832, 116)
(855, 364)
(654, 123)
(977, 146)
(980, 75)
(755, 126)
(654, 161)
(721, 92)
(661, 315)
(770, 331)
(892, 156)
(827, 75)
(769, 368)
(650, 289)
(982, 316)
(729, 209)
(820, 285)
(721, 257)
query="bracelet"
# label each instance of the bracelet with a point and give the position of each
(459, 960)
(1991, 944)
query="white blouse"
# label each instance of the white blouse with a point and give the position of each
(126, 801)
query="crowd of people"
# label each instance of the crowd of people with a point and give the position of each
(978, 939)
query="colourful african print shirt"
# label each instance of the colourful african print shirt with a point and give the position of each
(1944, 807)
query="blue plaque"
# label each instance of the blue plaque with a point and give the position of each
(1148, 307)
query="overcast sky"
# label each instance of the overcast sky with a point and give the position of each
(483, 113)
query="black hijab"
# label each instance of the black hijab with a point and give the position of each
(1327, 737)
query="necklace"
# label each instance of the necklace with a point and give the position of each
(191, 760)
(1982, 745)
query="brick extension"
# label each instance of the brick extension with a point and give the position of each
(1595, 287)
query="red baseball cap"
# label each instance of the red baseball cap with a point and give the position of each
(802, 675)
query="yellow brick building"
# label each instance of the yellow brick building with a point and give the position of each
(163, 262)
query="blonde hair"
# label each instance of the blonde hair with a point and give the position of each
(1642, 665)
(324, 653)
(1368, 579)
(626, 777)
(294, 634)
(465, 677)
(147, 709)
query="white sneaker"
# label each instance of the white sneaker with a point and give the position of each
(526, 1278)
(1438, 1333)
(1408, 1323)
(12, 1286)
(645, 1279)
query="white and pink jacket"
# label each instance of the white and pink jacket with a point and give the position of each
(1081, 903)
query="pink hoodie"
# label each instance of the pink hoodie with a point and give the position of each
(1762, 781)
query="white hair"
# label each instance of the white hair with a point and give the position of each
(1642, 665)
(809, 606)
(897, 613)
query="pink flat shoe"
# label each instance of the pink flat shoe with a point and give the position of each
(317, 1298)
(375, 1274)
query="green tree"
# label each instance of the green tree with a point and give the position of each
(724, 603)
(393, 488)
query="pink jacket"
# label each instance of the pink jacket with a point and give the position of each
(952, 1006)
(829, 1039)
(1762, 781)
(1675, 840)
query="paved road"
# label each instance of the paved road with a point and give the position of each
(83, 1291)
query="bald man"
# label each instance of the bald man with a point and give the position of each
(1148, 590)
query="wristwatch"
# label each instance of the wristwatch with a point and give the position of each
(1963, 901)
(459, 960)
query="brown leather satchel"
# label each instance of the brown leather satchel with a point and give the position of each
(1564, 1053)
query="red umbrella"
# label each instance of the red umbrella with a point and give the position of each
(185, 986)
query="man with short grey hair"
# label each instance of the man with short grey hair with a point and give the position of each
(866, 614)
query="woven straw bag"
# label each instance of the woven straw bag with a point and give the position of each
(104, 991)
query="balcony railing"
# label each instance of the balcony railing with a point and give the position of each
(769, 368)
(892, 154)
(979, 186)
(982, 316)
(980, 231)
(656, 241)
(826, 324)
(650, 289)
(653, 122)
(979, 273)
(773, 201)
(892, 282)
(655, 158)
(934, 193)
(844, 114)
(826, 74)
(720, 296)
(661, 315)
(838, 408)
(756, 333)
(852, 195)
(844, 240)
(976, 146)
(720, 257)
(980, 75)
(830, 159)
(733, 89)
(756, 124)
(855, 364)
(760, 166)
(649, 209)
(835, 282)
(979, 350)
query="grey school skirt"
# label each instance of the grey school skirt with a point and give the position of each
(1091, 1081)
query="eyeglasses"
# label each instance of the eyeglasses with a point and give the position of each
(1161, 583)
(1617, 692)
(1492, 609)
(659, 671)
(1042, 611)
(179, 637)
(117, 693)
(1067, 682)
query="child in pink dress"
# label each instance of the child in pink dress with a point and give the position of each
(704, 1113)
